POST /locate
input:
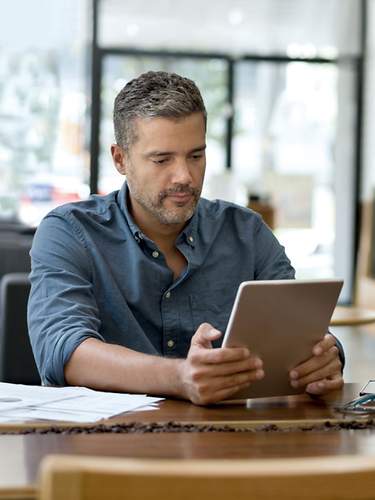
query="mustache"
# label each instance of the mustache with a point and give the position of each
(181, 188)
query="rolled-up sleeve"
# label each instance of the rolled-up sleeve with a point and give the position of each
(62, 310)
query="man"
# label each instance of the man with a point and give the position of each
(131, 291)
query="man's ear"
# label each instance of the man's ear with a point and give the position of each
(119, 158)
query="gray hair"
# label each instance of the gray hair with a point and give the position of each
(154, 94)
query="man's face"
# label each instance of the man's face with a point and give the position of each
(165, 167)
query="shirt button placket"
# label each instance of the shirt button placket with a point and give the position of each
(170, 342)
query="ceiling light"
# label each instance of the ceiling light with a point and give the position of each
(132, 30)
(235, 17)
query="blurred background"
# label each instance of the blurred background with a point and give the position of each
(284, 81)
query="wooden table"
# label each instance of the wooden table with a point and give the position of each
(20, 455)
(352, 316)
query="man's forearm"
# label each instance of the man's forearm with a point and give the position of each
(110, 367)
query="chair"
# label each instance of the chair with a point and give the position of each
(320, 478)
(17, 364)
(14, 252)
(14, 225)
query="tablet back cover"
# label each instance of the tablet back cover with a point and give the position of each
(280, 321)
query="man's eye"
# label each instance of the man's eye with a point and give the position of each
(197, 157)
(160, 161)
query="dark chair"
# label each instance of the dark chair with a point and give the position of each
(17, 364)
(15, 226)
(14, 252)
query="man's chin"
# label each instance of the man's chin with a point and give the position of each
(176, 216)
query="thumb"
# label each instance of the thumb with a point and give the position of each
(205, 334)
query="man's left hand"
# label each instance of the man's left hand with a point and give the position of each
(321, 373)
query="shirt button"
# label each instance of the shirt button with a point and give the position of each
(191, 239)
(155, 254)
(167, 295)
(170, 343)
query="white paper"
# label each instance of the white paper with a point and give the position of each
(73, 404)
(19, 396)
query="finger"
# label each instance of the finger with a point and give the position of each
(229, 393)
(324, 345)
(218, 383)
(326, 385)
(328, 370)
(205, 334)
(221, 394)
(230, 368)
(314, 363)
(219, 356)
(226, 369)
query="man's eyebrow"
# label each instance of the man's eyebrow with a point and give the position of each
(197, 150)
(158, 153)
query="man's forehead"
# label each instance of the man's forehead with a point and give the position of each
(165, 131)
(164, 152)
(167, 121)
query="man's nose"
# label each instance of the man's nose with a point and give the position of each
(181, 172)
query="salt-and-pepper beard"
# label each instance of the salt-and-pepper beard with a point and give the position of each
(156, 207)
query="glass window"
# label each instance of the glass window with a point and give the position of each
(294, 135)
(286, 150)
(43, 146)
(211, 78)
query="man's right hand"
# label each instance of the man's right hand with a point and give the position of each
(210, 375)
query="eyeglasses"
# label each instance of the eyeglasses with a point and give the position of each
(364, 405)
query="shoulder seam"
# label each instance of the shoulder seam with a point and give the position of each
(67, 216)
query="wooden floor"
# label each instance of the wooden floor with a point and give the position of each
(359, 346)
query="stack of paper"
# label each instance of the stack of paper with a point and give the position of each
(74, 404)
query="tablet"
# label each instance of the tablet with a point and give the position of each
(280, 321)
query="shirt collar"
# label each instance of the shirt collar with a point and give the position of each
(122, 200)
(189, 233)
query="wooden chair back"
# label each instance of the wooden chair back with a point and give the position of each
(362, 312)
(364, 292)
(320, 478)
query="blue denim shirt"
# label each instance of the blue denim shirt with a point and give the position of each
(94, 274)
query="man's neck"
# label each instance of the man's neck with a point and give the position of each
(164, 235)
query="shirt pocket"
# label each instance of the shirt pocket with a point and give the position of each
(211, 308)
